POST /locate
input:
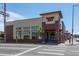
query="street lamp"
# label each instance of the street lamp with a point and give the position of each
(73, 22)
(4, 15)
(4, 22)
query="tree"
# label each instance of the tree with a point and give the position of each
(40, 32)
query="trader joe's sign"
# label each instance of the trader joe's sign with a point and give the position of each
(50, 18)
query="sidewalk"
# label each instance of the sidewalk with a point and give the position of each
(67, 43)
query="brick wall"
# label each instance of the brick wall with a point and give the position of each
(9, 34)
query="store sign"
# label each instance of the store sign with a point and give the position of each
(51, 22)
(50, 18)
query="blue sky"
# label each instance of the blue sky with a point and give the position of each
(32, 10)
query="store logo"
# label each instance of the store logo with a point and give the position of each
(50, 18)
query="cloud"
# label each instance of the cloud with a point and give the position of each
(1, 27)
(13, 16)
(76, 32)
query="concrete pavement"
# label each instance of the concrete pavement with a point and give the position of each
(38, 50)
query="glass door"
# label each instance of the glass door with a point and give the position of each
(51, 37)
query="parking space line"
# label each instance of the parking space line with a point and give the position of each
(26, 51)
(51, 53)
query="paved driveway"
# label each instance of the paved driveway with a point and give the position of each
(38, 50)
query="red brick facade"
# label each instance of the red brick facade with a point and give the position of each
(9, 34)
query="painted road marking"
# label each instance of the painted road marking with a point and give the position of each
(18, 48)
(5, 54)
(54, 50)
(51, 53)
(18, 45)
(26, 51)
(75, 51)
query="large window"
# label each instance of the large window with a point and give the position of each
(18, 33)
(34, 31)
(18, 28)
(26, 32)
(35, 28)
(26, 28)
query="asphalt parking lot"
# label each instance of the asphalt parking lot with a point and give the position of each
(38, 50)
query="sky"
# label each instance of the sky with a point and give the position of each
(19, 11)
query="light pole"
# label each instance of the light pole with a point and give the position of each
(73, 22)
(4, 22)
(4, 16)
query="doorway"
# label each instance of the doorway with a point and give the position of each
(50, 37)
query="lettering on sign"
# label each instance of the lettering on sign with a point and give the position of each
(50, 18)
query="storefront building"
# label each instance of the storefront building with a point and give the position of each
(49, 28)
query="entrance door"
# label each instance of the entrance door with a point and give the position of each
(51, 37)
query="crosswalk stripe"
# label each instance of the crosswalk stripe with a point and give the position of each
(17, 44)
(13, 48)
(5, 54)
(53, 50)
(26, 51)
(75, 51)
(51, 53)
